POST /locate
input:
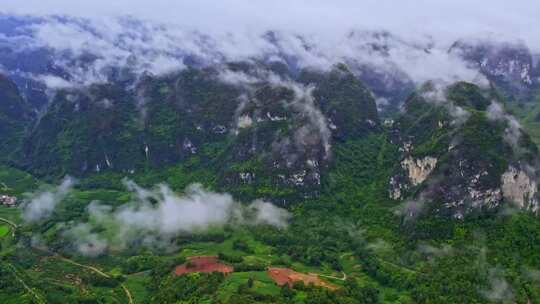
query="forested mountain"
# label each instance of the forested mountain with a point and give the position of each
(199, 172)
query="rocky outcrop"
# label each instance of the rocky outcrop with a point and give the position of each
(416, 171)
(419, 169)
(510, 66)
(518, 187)
(396, 188)
(471, 191)
(476, 168)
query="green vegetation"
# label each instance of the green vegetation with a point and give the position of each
(529, 115)
(16, 182)
(343, 228)
(351, 229)
(4, 230)
(10, 214)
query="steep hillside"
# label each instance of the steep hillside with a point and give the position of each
(462, 154)
(512, 67)
(15, 116)
(272, 131)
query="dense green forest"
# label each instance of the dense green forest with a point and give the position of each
(342, 226)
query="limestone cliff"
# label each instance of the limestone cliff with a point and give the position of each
(518, 187)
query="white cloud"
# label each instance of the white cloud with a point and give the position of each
(314, 34)
(512, 133)
(54, 82)
(196, 210)
(42, 204)
(85, 241)
(436, 92)
(155, 216)
(448, 18)
(267, 213)
(499, 290)
(434, 251)
(316, 129)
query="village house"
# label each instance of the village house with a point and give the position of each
(9, 201)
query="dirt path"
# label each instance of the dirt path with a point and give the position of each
(30, 290)
(99, 272)
(333, 277)
(94, 269)
(404, 268)
(128, 293)
(91, 268)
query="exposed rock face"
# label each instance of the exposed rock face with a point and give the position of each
(466, 189)
(244, 122)
(415, 172)
(419, 169)
(510, 67)
(272, 132)
(247, 177)
(396, 188)
(516, 186)
(472, 168)
(462, 200)
(519, 188)
(466, 185)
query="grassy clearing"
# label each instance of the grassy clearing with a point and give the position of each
(262, 284)
(258, 251)
(4, 230)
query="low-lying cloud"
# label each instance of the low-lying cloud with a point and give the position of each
(410, 209)
(499, 289)
(437, 92)
(316, 129)
(197, 209)
(434, 251)
(154, 217)
(41, 204)
(92, 50)
(448, 19)
(399, 42)
(512, 132)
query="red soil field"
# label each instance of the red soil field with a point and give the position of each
(288, 276)
(202, 264)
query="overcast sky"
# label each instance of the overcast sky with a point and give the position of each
(448, 19)
(235, 27)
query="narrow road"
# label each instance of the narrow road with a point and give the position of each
(99, 272)
(94, 269)
(333, 277)
(128, 293)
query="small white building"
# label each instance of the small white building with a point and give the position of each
(9, 201)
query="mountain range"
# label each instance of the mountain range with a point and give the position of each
(394, 159)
